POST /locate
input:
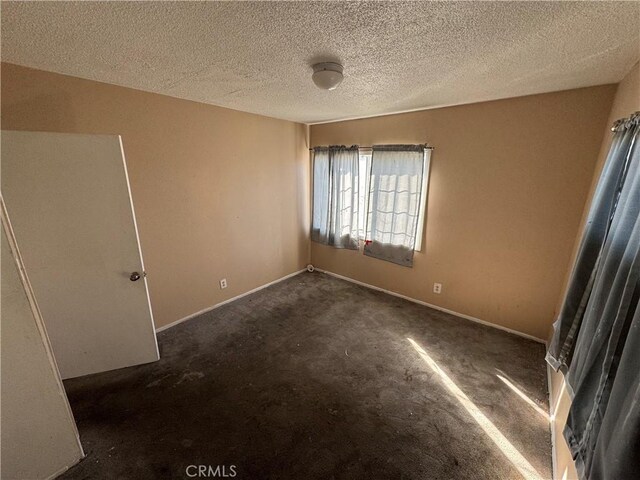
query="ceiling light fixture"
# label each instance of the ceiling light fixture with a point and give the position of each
(327, 75)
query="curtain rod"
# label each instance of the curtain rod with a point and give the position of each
(626, 122)
(371, 148)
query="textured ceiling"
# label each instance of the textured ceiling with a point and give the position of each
(398, 56)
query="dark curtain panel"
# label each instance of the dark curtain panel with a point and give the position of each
(567, 325)
(600, 348)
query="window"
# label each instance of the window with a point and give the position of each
(371, 197)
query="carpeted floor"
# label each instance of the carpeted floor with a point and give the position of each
(316, 378)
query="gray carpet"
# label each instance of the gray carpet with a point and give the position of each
(315, 378)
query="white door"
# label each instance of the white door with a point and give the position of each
(70, 205)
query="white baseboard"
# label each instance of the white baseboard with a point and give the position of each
(348, 279)
(435, 307)
(208, 309)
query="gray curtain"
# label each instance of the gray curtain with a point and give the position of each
(603, 370)
(335, 196)
(394, 202)
(603, 204)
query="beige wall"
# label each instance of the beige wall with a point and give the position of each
(218, 193)
(508, 183)
(625, 102)
(39, 436)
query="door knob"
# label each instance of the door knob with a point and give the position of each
(134, 276)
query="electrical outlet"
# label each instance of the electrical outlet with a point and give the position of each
(223, 283)
(437, 288)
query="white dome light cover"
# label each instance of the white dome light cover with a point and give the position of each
(327, 75)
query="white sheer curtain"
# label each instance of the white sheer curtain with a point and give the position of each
(335, 196)
(395, 197)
